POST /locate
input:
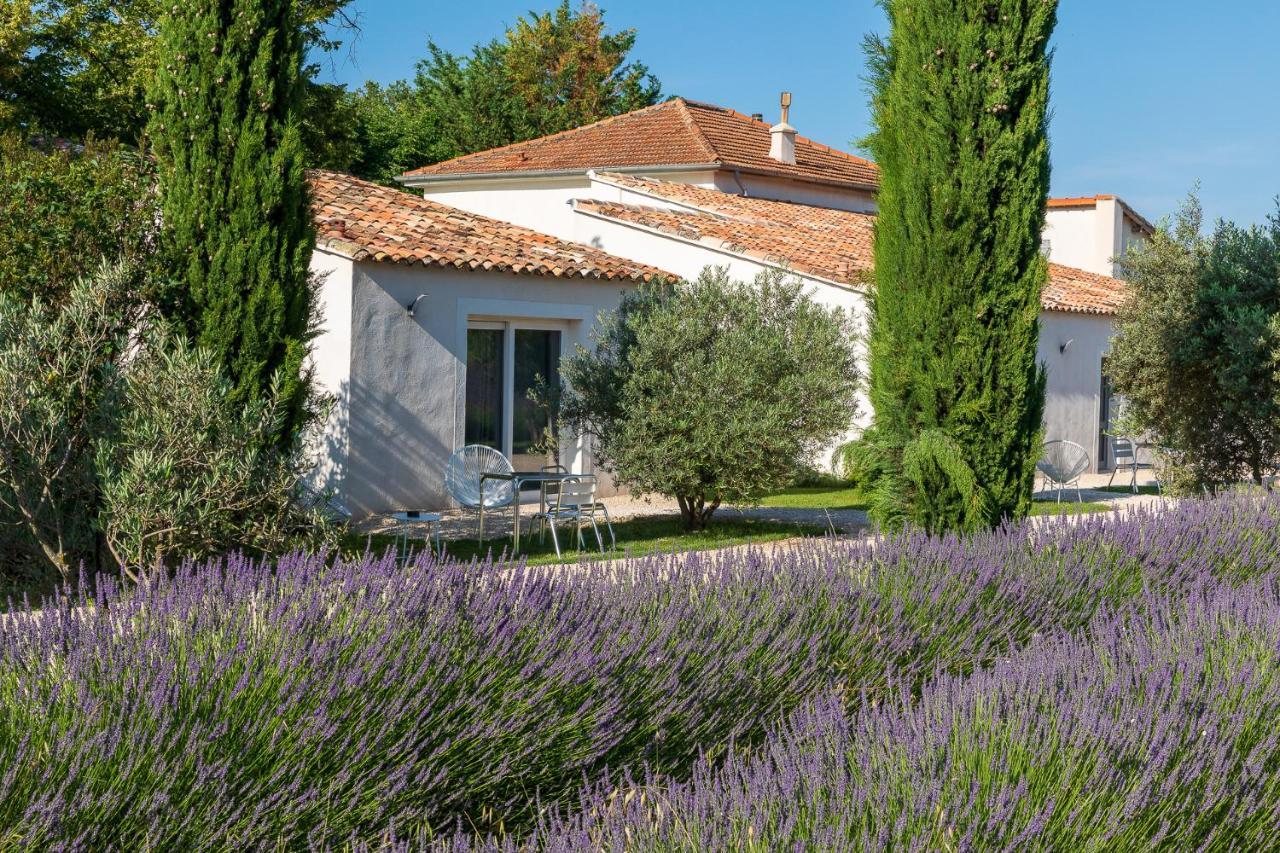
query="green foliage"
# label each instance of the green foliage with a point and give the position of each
(108, 425)
(186, 475)
(58, 366)
(64, 208)
(1197, 348)
(713, 391)
(227, 134)
(549, 73)
(959, 101)
(77, 68)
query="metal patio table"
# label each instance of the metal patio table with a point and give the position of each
(518, 479)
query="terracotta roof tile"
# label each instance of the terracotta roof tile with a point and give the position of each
(832, 244)
(674, 133)
(370, 222)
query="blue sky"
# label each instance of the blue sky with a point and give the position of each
(1148, 97)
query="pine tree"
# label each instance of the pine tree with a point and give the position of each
(226, 132)
(960, 97)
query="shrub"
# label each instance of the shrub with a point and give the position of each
(58, 366)
(109, 426)
(712, 391)
(1155, 731)
(185, 474)
(1197, 345)
(238, 705)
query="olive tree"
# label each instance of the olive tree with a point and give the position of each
(713, 391)
(1196, 346)
(58, 366)
(185, 473)
(120, 445)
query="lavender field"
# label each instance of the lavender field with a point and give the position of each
(1107, 684)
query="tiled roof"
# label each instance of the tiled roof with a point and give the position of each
(366, 221)
(835, 245)
(1081, 292)
(674, 133)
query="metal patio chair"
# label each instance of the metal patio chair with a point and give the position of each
(462, 480)
(1124, 458)
(1062, 463)
(575, 502)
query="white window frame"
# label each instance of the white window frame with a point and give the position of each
(509, 327)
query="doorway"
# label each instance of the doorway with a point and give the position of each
(511, 367)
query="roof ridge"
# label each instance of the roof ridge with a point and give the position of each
(550, 136)
(799, 137)
(692, 123)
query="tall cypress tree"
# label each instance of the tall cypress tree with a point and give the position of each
(960, 97)
(227, 135)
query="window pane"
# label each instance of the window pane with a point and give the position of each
(537, 365)
(484, 387)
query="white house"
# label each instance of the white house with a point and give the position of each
(440, 311)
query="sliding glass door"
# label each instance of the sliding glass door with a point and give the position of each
(536, 373)
(485, 410)
(511, 368)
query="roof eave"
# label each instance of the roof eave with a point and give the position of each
(411, 180)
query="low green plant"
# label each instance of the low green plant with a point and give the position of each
(59, 365)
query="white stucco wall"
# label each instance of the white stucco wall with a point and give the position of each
(1071, 348)
(541, 204)
(330, 363)
(1091, 236)
(408, 374)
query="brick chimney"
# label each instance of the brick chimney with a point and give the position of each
(782, 146)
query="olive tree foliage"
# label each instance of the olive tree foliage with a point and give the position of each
(1195, 353)
(122, 447)
(184, 474)
(713, 391)
(58, 366)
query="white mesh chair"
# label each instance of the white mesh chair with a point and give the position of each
(462, 480)
(1062, 463)
(576, 503)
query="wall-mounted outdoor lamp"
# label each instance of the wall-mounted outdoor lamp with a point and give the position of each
(414, 304)
(1062, 347)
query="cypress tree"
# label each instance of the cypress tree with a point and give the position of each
(227, 134)
(960, 94)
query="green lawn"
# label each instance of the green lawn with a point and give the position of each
(817, 497)
(1149, 489)
(846, 497)
(1067, 507)
(636, 537)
